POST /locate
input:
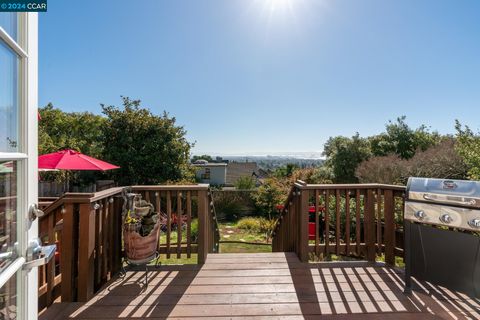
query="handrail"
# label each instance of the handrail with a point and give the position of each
(187, 187)
(362, 186)
(216, 235)
(77, 197)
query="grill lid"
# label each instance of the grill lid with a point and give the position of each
(444, 191)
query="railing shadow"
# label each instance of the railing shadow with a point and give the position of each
(128, 297)
(367, 291)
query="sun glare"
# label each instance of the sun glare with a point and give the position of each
(274, 5)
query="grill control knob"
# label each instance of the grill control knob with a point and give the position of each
(474, 223)
(446, 218)
(420, 214)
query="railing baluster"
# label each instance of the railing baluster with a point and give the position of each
(317, 225)
(379, 221)
(327, 223)
(179, 224)
(189, 224)
(337, 222)
(347, 222)
(358, 238)
(169, 222)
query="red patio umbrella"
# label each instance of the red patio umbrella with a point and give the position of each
(72, 160)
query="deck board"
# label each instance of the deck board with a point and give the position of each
(268, 286)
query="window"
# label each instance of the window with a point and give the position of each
(8, 22)
(206, 174)
(8, 99)
(8, 216)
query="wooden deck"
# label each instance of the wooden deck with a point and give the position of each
(268, 286)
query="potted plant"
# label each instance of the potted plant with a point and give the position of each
(139, 236)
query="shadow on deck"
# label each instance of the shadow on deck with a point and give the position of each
(268, 286)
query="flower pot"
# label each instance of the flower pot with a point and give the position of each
(132, 227)
(140, 249)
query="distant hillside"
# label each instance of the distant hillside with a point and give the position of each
(269, 162)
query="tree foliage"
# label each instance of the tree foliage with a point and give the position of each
(245, 183)
(269, 195)
(402, 140)
(81, 131)
(285, 171)
(399, 140)
(150, 149)
(439, 161)
(202, 157)
(468, 147)
(344, 155)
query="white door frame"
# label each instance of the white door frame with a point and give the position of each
(26, 47)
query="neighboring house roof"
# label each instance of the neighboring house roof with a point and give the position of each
(236, 170)
(209, 165)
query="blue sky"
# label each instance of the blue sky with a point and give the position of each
(264, 76)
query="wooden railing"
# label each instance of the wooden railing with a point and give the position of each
(187, 203)
(87, 230)
(85, 227)
(361, 220)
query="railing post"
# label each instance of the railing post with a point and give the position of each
(302, 214)
(389, 227)
(86, 248)
(67, 253)
(203, 215)
(369, 221)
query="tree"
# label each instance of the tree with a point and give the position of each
(402, 140)
(286, 170)
(344, 155)
(245, 183)
(439, 161)
(150, 149)
(268, 196)
(80, 131)
(468, 147)
(202, 157)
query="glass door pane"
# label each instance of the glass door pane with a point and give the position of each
(9, 109)
(8, 213)
(8, 300)
(8, 22)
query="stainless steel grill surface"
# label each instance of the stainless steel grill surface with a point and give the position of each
(449, 257)
(452, 203)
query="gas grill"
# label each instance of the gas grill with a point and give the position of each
(441, 223)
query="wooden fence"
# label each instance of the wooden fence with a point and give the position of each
(360, 220)
(87, 230)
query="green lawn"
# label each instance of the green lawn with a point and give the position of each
(230, 232)
(247, 243)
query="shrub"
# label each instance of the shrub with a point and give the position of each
(245, 183)
(249, 224)
(439, 161)
(231, 205)
(267, 226)
(269, 195)
(194, 230)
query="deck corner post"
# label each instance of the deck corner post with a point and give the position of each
(203, 210)
(67, 253)
(86, 248)
(303, 226)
